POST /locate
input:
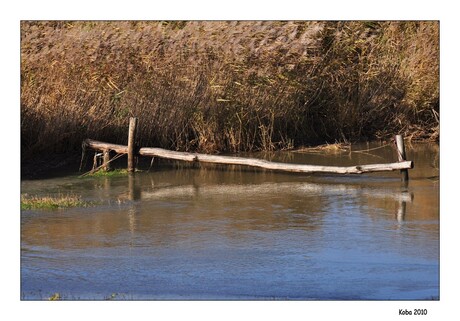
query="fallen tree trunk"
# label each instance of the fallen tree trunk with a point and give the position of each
(230, 160)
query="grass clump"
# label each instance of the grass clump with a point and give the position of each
(226, 86)
(55, 297)
(49, 202)
(111, 173)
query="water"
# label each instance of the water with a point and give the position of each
(224, 233)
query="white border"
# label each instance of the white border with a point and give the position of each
(225, 10)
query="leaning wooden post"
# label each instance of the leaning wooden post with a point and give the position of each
(402, 156)
(131, 147)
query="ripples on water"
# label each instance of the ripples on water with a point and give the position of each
(207, 233)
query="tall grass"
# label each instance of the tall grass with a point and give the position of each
(216, 86)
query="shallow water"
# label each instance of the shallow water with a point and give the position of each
(182, 232)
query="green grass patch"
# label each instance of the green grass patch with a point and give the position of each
(49, 202)
(112, 173)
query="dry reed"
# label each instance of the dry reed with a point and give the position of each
(226, 86)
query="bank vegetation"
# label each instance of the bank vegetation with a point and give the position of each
(226, 86)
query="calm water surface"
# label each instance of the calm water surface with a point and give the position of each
(182, 232)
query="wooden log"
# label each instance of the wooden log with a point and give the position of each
(402, 156)
(131, 147)
(297, 168)
(230, 160)
(101, 146)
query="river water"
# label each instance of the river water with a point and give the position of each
(180, 232)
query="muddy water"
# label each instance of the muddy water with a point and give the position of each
(183, 232)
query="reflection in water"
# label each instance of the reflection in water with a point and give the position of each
(134, 189)
(208, 232)
(274, 206)
(401, 211)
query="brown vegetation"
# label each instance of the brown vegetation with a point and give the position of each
(214, 86)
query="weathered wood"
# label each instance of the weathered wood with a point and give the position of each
(106, 160)
(298, 168)
(102, 146)
(95, 161)
(131, 147)
(402, 156)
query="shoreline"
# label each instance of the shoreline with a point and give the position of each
(46, 166)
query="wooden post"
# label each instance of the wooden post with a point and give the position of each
(96, 160)
(106, 160)
(402, 156)
(131, 147)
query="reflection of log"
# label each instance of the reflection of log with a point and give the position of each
(298, 168)
(240, 192)
(97, 145)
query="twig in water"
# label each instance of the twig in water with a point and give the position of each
(99, 167)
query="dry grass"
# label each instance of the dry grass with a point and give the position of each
(325, 148)
(233, 86)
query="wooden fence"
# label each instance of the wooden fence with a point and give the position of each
(105, 148)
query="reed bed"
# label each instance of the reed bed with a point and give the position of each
(226, 86)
